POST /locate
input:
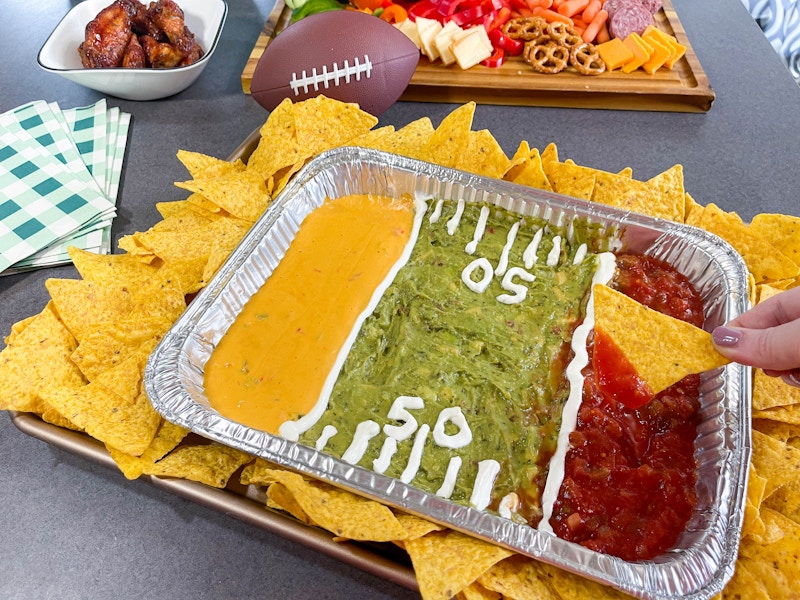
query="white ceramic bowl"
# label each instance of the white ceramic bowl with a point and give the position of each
(59, 55)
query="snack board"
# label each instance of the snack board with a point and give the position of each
(684, 88)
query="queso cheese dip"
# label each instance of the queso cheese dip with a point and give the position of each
(271, 364)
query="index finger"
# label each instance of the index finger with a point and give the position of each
(777, 310)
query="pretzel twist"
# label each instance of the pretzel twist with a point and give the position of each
(525, 28)
(547, 58)
(586, 59)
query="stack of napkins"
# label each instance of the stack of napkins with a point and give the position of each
(59, 178)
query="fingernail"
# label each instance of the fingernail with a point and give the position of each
(726, 336)
(793, 378)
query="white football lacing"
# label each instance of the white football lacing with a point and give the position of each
(336, 75)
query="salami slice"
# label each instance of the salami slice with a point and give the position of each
(627, 19)
(653, 5)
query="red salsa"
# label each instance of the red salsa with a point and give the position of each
(630, 473)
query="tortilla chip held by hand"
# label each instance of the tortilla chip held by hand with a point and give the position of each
(638, 352)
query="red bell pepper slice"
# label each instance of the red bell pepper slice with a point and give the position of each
(501, 41)
(464, 17)
(496, 59)
(497, 19)
(425, 9)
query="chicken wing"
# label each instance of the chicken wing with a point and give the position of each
(107, 37)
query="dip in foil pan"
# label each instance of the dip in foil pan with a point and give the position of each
(382, 455)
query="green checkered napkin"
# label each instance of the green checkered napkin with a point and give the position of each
(59, 179)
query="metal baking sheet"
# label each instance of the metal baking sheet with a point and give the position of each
(706, 551)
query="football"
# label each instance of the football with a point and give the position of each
(346, 55)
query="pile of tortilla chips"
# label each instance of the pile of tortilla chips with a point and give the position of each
(78, 364)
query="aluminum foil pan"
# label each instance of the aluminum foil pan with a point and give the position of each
(706, 551)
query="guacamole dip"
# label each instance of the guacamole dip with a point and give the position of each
(473, 335)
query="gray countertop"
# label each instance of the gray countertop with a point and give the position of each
(72, 528)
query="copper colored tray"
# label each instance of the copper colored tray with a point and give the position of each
(684, 88)
(240, 502)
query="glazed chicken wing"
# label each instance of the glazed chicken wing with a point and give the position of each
(128, 34)
(168, 17)
(107, 38)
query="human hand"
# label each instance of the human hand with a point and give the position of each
(766, 336)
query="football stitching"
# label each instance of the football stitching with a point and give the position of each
(335, 76)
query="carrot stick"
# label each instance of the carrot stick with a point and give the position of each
(591, 10)
(603, 35)
(570, 8)
(594, 27)
(551, 15)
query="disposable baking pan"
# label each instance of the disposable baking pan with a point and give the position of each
(706, 551)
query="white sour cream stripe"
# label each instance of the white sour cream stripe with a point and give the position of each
(416, 454)
(365, 431)
(454, 221)
(388, 450)
(502, 264)
(327, 433)
(480, 228)
(606, 264)
(484, 483)
(529, 257)
(437, 212)
(449, 483)
(555, 252)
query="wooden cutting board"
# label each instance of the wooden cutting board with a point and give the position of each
(684, 88)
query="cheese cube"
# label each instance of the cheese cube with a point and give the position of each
(471, 47)
(443, 41)
(428, 29)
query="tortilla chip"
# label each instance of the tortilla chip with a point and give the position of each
(769, 392)
(763, 259)
(212, 464)
(630, 194)
(322, 123)
(165, 441)
(525, 168)
(571, 180)
(113, 409)
(662, 349)
(447, 562)
(242, 194)
(574, 587)
(775, 460)
(201, 165)
(518, 578)
(410, 139)
(111, 269)
(670, 194)
(416, 527)
(341, 512)
(279, 496)
(113, 342)
(756, 485)
(475, 591)
(784, 414)
(374, 138)
(775, 564)
(451, 140)
(35, 358)
(692, 210)
(744, 586)
(782, 231)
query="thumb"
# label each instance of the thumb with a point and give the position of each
(776, 348)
